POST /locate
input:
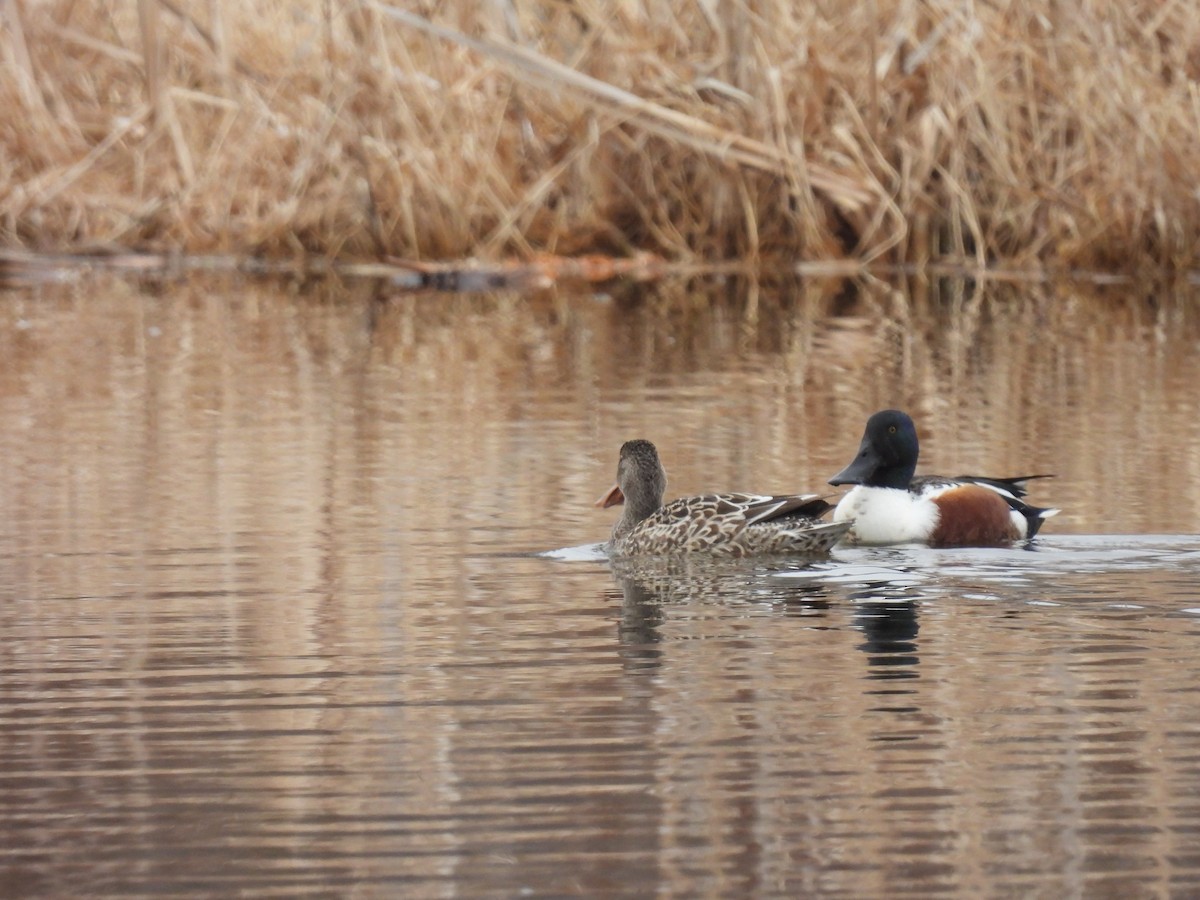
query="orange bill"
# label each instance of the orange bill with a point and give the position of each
(614, 497)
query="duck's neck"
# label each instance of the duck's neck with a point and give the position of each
(897, 476)
(638, 505)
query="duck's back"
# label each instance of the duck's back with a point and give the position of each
(735, 525)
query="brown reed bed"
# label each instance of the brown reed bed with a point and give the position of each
(1055, 136)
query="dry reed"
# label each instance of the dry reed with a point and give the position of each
(1060, 136)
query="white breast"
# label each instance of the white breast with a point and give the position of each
(887, 516)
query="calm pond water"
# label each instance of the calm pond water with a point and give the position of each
(272, 625)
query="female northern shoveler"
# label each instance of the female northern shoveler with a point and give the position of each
(724, 524)
(890, 506)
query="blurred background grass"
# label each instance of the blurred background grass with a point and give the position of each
(1059, 135)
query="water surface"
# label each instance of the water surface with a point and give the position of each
(272, 624)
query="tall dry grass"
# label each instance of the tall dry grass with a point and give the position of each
(1052, 134)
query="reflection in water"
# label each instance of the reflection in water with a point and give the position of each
(651, 586)
(258, 636)
(641, 616)
(891, 638)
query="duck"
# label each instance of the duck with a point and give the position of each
(732, 524)
(888, 505)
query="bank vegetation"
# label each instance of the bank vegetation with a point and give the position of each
(1014, 132)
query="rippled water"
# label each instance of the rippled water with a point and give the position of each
(273, 623)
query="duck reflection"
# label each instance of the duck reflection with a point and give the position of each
(651, 585)
(638, 629)
(884, 598)
(890, 627)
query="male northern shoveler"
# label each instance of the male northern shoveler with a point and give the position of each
(889, 506)
(720, 524)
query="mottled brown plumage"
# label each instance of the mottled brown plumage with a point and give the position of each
(720, 524)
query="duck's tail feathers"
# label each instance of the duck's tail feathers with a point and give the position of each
(1035, 516)
(820, 538)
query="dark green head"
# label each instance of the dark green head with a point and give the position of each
(887, 456)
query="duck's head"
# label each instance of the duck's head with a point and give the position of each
(887, 456)
(641, 481)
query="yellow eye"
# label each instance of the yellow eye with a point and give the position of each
(891, 429)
